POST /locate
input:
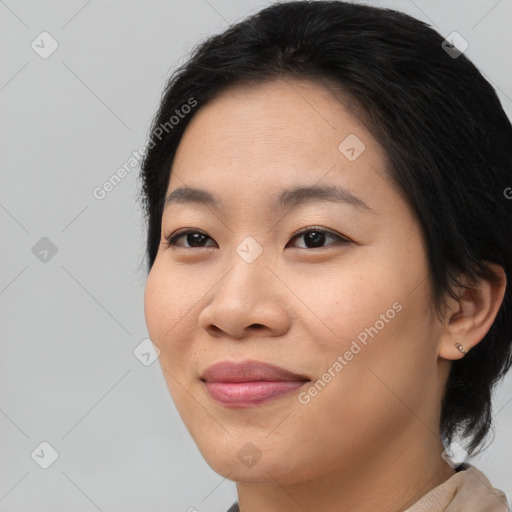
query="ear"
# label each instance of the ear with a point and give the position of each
(469, 319)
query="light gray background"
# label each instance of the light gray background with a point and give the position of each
(69, 326)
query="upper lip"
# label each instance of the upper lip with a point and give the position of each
(248, 370)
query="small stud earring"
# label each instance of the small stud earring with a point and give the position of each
(460, 347)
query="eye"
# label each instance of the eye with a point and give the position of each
(193, 237)
(314, 237)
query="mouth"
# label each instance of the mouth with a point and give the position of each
(249, 383)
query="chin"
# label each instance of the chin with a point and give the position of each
(248, 464)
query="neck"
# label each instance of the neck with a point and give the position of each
(390, 482)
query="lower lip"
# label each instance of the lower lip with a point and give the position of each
(249, 394)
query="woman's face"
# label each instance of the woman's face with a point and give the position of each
(352, 317)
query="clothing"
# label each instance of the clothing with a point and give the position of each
(467, 486)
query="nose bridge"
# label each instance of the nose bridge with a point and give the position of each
(249, 271)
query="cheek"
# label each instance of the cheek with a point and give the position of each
(344, 300)
(366, 311)
(165, 300)
(168, 310)
(161, 308)
(153, 306)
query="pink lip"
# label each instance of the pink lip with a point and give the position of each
(249, 383)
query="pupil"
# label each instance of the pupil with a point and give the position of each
(316, 237)
(194, 238)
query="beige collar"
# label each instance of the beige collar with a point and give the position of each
(467, 489)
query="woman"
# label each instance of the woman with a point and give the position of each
(328, 253)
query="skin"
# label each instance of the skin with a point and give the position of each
(369, 440)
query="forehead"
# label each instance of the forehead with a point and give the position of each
(284, 114)
(271, 135)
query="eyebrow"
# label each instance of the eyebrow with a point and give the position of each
(288, 198)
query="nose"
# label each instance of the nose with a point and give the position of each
(248, 300)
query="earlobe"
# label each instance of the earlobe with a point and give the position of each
(470, 319)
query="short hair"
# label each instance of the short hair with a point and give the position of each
(446, 137)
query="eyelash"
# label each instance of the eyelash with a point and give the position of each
(171, 239)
